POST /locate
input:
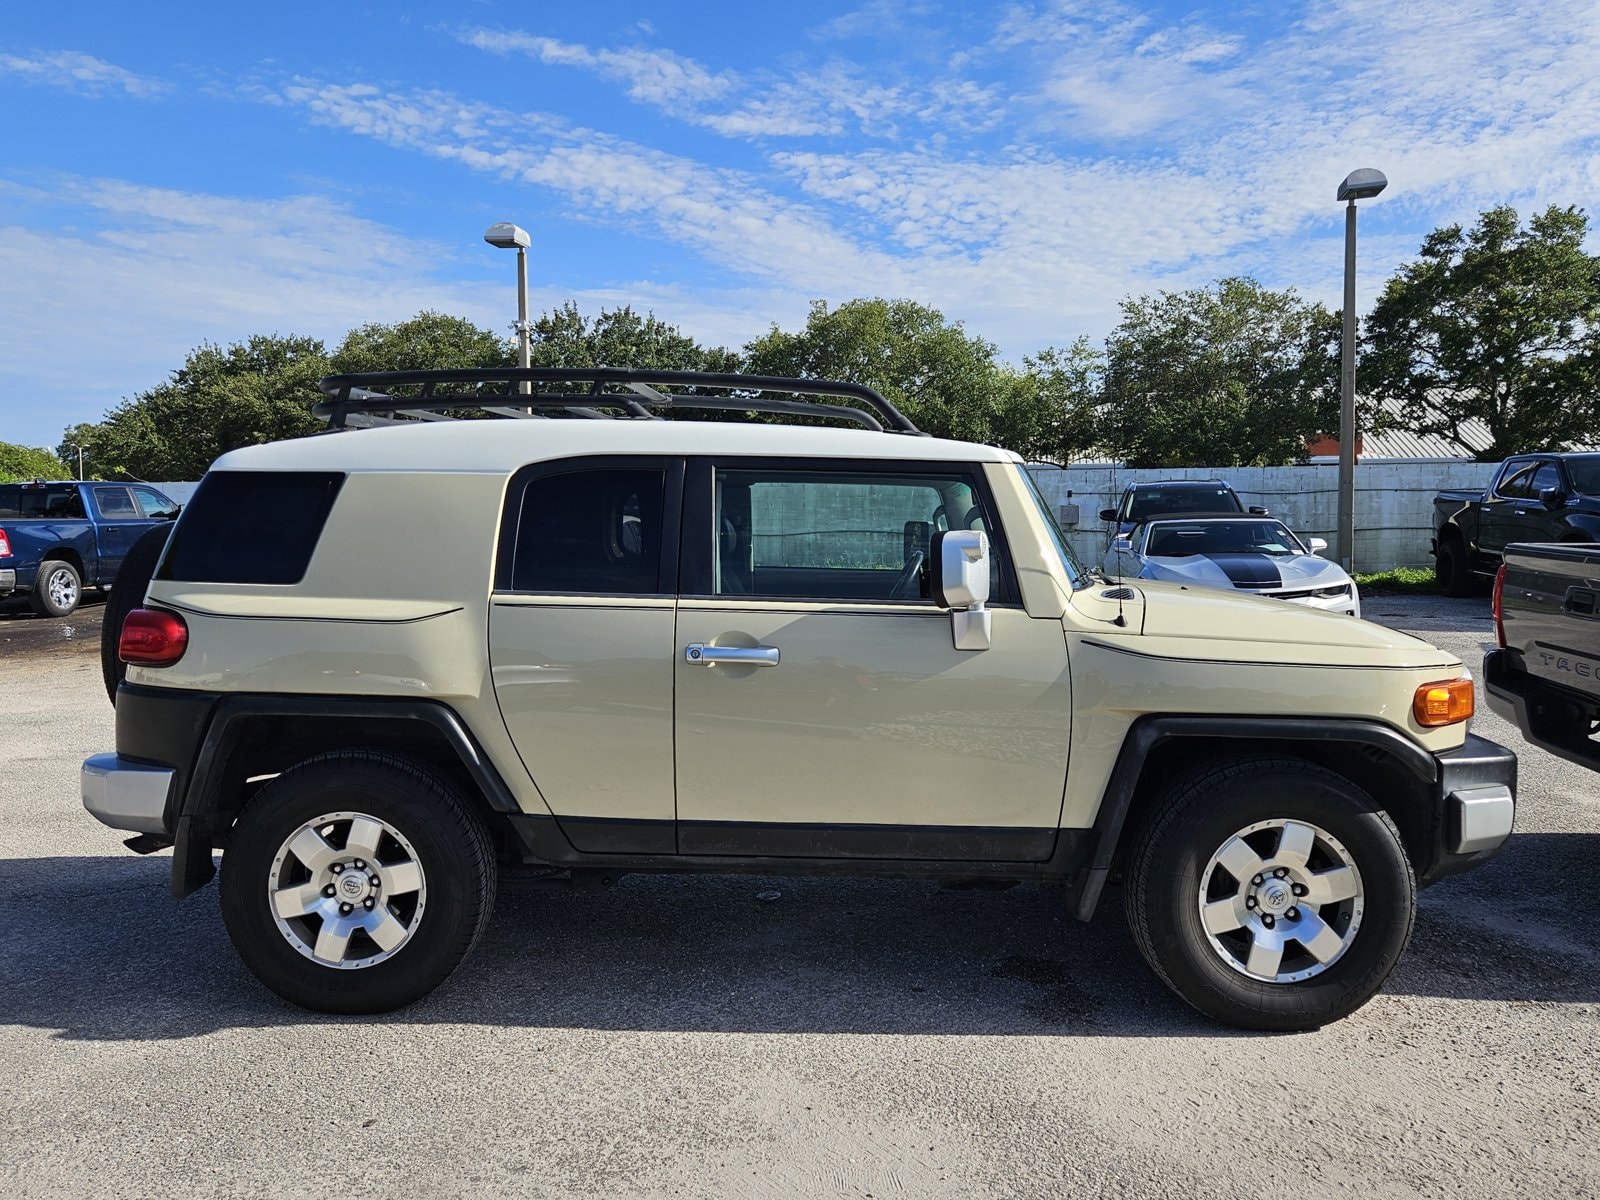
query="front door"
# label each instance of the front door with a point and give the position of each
(844, 724)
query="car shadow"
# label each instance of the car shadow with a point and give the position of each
(96, 949)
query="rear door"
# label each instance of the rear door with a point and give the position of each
(119, 526)
(581, 643)
(849, 726)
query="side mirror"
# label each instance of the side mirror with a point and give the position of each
(1108, 514)
(1552, 497)
(961, 584)
(1318, 545)
(1256, 510)
(1122, 544)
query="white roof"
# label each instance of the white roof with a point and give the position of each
(503, 445)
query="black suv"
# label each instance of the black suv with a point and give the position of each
(1174, 498)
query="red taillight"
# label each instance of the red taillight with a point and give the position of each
(153, 637)
(1498, 605)
(5, 545)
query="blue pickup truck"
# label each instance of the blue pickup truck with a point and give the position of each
(58, 538)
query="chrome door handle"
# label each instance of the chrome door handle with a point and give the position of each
(698, 654)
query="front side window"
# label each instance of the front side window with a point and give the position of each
(594, 531)
(1547, 476)
(846, 536)
(155, 506)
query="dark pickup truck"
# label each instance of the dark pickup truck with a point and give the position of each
(1545, 675)
(58, 538)
(1534, 498)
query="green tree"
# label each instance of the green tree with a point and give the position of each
(620, 337)
(429, 340)
(1499, 324)
(1232, 375)
(26, 462)
(1060, 416)
(947, 382)
(255, 391)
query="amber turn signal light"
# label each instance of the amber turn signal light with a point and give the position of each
(1443, 703)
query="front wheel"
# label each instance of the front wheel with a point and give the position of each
(356, 882)
(1271, 894)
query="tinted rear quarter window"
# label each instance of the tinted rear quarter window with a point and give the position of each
(592, 531)
(251, 527)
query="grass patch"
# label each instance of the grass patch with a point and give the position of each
(1397, 580)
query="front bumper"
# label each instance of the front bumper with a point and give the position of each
(125, 794)
(1478, 786)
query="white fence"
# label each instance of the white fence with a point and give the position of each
(1393, 501)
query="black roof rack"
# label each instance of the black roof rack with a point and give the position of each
(365, 399)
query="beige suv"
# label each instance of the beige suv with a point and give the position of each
(378, 667)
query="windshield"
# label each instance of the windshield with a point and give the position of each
(1075, 569)
(1179, 539)
(1179, 498)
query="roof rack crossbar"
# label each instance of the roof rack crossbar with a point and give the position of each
(351, 394)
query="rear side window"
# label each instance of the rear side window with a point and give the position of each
(251, 527)
(115, 504)
(593, 531)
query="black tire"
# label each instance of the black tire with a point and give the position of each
(1195, 820)
(127, 594)
(1451, 571)
(57, 590)
(449, 842)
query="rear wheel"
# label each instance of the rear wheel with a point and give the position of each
(57, 589)
(1451, 571)
(1271, 894)
(127, 594)
(357, 882)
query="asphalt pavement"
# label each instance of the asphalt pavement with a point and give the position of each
(697, 1036)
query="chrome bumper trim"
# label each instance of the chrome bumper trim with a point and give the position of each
(8, 580)
(1484, 818)
(124, 794)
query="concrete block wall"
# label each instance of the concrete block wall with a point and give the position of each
(1393, 501)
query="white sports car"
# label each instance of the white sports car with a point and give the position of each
(1249, 554)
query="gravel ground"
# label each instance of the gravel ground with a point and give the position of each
(683, 1037)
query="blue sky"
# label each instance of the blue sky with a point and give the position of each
(179, 173)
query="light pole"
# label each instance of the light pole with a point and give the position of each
(1358, 185)
(513, 237)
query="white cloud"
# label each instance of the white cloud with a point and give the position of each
(831, 99)
(653, 76)
(111, 284)
(81, 73)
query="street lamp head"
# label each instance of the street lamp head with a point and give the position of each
(507, 236)
(1358, 185)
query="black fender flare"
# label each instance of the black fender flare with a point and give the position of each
(192, 865)
(1148, 732)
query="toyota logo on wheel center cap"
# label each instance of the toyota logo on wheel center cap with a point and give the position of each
(1275, 896)
(352, 885)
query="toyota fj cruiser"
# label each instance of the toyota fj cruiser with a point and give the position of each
(376, 668)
